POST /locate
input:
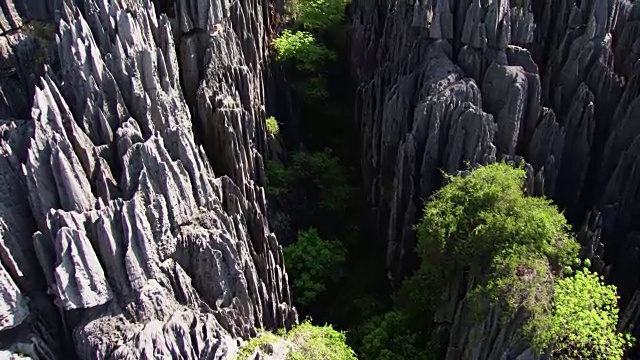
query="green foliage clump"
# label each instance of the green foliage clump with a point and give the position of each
(516, 243)
(474, 217)
(304, 342)
(388, 338)
(302, 48)
(320, 170)
(512, 249)
(278, 178)
(317, 14)
(259, 342)
(312, 264)
(273, 128)
(324, 171)
(318, 343)
(582, 321)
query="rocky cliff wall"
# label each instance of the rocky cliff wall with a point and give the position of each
(120, 236)
(447, 84)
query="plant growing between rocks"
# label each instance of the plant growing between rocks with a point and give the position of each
(303, 342)
(273, 128)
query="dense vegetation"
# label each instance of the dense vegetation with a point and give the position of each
(513, 253)
(315, 205)
(481, 230)
(312, 264)
(582, 321)
(303, 342)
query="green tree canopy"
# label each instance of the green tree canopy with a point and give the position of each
(517, 250)
(317, 14)
(312, 263)
(302, 48)
(582, 322)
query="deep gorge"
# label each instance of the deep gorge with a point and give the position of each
(146, 211)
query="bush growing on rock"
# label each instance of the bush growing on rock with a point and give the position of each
(483, 230)
(514, 244)
(273, 128)
(318, 343)
(303, 342)
(582, 321)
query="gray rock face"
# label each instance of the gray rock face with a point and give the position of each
(117, 240)
(444, 84)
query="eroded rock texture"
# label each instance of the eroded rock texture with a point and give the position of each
(120, 237)
(449, 84)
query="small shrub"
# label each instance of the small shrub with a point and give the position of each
(312, 263)
(302, 48)
(304, 342)
(318, 343)
(259, 341)
(273, 128)
(582, 322)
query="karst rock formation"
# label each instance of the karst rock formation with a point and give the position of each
(120, 238)
(133, 219)
(444, 85)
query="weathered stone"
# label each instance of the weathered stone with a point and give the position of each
(554, 81)
(148, 254)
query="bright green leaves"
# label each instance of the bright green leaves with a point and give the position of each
(486, 221)
(317, 14)
(302, 48)
(312, 264)
(318, 343)
(260, 342)
(303, 342)
(273, 128)
(582, 321)
(476, 216)
(520, 246)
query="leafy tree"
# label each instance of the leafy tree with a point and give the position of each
(317, 14)
(516, 248)
(272, 126)
(517, 243)
(388, 338)
(313, 263)
(582, 322)
(302, 48)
